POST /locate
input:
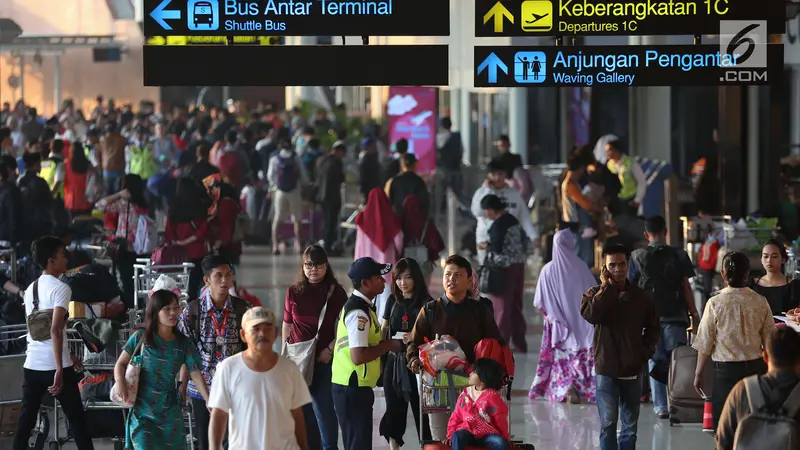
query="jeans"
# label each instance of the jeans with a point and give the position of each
(617, 398)
(34, 387)
(321, 410)
(112, 181)
(202, 419)
(354, 409)
(463, 438)
(673, 334)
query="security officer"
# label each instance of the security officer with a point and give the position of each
(357, 352)
(631, 178)
(53, 169)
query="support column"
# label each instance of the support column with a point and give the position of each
(518, 122)
(21, 77)
(306, 92)
(732, 136)
(377, 101)
(57, 85)
(753, 146)
(650, 115)
(464, 125)
(794, 106)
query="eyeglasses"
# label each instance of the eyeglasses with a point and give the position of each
(311, 265)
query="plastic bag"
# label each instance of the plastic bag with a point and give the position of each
(442, 353)
(167, 283)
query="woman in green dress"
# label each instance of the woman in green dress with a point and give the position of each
(156, 420)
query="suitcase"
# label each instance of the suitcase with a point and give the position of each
(685, 405)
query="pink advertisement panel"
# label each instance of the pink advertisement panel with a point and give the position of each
(412, 115)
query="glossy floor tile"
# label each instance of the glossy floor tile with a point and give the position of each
(546, 425)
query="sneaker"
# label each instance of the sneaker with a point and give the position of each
(393, 445)
(663, 414)
(644, 399)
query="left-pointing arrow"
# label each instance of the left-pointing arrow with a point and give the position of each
(491, 64)
(161, 15)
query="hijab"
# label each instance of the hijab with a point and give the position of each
(600, 148)
(213, 185)
(378, 220)
(561, 285)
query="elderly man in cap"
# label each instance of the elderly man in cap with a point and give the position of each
(258, 393)
(357, 352)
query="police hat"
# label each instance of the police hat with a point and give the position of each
(366, 268)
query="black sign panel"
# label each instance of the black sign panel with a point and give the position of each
(307, 65)
(664, 65)
(620, 17)
(297, 17)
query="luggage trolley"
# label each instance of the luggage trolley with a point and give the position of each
(439, 394)
(145, 275)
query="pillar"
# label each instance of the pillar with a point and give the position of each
(306, 93)
(794, 112)
(464, 125)
(753, 146)
(732, 137)
(518, 122)
(21, 77)
(650, 114)
(57, 85)
(377, 100)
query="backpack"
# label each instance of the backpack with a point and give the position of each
(146, 239)
(287, 173)
(764, 428)
(707, 257)
(492, 349)
(239, 308)
(143, 163)
(660, 277)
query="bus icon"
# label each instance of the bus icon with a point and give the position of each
(203, 15)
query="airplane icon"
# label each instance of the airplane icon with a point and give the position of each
(540, 13)
(536, 18)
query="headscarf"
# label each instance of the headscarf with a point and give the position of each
(561, 285)
(213, 185)
(417, 229)
(378, 220)
(600, 148)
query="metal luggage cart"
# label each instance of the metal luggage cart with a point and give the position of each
(439, 394)
(145, 275)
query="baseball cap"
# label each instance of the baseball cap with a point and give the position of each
(365, 268)
(257, 315)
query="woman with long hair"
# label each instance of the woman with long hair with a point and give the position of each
(156, 420)
(409, 296)
(187, 226)
(779, 290)
(123, 210)
(566, 363)
(316, 290)
(732, 332)
(77, 169)
(222, 214)
(379, 235)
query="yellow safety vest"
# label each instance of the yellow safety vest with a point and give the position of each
(624, 171)
(343, 367)
(48, 172)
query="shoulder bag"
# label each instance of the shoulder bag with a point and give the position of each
(132, 373)
(304, 353)
(40, 320)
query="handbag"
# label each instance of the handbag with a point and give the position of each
(168, 254)
(40, 320)
(491, 279)
(418, 252)
(132, 373)
(303, 353)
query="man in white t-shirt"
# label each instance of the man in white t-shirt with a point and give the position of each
(49, 367)
(258, 393)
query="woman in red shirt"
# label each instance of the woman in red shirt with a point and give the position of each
(187, 225)
(222, 216)
(315, 287)
(77, 169)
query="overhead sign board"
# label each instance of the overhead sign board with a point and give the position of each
(620, 17)
(297, 17)
(665, 65)
(213, 40)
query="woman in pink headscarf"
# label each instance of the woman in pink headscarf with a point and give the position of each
(566, 365)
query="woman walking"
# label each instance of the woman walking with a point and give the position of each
(222, 218)
(732, 332)
(187, 226)
(566, 363)
(315, 291)
(156, 420)
(77, 170)
(409, 296)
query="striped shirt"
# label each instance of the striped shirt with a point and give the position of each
(211, 353)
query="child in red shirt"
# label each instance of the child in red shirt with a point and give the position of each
(480, 417)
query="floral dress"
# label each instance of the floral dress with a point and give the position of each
(156, 419)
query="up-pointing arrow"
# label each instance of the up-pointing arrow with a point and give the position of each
(498, 12)
(492, 63)
(161, 15)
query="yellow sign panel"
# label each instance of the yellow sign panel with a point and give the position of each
(537, 16)
(212, 40)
